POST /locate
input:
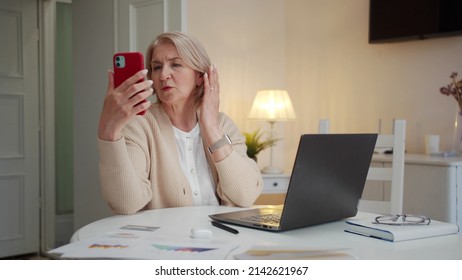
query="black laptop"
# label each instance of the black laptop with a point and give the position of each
(326, 184)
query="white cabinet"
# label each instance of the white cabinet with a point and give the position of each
(432, 186)
(275, 183)
(274, 189)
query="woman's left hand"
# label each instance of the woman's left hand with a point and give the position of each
(211, 101)
(208, 116)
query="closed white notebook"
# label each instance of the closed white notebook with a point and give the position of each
(366, 227)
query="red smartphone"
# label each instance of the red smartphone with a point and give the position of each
(126, 64)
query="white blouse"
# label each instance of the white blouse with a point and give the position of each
(195, 167)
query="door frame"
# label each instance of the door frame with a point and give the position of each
(47, 23)
(47, 26)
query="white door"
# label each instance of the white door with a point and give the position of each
(138, 23)
(19, 128)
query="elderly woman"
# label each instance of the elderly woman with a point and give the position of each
(182, 151)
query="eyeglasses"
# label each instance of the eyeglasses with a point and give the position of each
(402, 220)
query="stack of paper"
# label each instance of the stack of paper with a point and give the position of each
(138, 242)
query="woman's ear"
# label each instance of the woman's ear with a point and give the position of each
(199, 79)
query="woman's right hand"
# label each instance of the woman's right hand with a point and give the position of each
(123, 103)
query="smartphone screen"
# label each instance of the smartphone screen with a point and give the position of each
(126, 64)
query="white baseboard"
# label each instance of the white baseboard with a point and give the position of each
(64, 229)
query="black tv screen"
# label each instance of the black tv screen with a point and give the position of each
(402, 20)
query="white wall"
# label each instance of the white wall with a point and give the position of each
(328, 67)
(332, 72)
(246, 40)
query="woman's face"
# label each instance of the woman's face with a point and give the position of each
(174, 81)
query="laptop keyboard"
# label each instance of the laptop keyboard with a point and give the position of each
(265, 218)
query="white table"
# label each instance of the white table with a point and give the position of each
(179, 221)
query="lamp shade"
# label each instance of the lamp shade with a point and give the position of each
(272, 105)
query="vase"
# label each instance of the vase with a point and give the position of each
(457, 136)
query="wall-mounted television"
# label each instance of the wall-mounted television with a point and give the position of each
(404, 20)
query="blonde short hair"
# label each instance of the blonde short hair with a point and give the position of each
(191, 51)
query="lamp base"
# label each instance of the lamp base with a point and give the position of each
(271, 170)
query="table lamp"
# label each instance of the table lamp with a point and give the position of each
(272, 106)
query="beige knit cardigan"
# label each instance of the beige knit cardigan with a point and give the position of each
(142, 170)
